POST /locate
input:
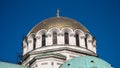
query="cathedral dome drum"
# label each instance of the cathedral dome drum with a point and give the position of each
(58, 35)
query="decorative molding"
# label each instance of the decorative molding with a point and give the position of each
(45, 63)
(66, 47)
(90, 41)
(82, 37)
(94, 45)
(60, 34)
(72, 35)
(38, 37)
(24, 46)
(29, 41)
(49, 35)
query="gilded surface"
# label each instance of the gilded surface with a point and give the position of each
(59, 22)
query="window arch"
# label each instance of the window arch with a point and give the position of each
(43, 40)
(66, 38)
(77, 40)
(54, 38)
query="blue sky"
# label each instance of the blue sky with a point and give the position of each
(101, 17)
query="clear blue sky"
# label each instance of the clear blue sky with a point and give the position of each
(101, 17)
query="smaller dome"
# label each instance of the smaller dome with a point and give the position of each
(86, 62)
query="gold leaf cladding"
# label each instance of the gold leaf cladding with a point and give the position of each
(60, 23)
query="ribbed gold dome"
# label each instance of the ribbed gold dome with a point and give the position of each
(59, 22)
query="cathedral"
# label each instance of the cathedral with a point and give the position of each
(59, 42)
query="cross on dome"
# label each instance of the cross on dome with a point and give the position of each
(58, 13)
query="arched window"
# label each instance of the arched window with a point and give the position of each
(54, 38)
(66, 38)
(77, 40)
(43, 40)
(34, 43)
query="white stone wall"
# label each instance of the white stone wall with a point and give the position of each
(69, 54)
(47, 63)
(29, 43)
(25, 47)
(60, 39)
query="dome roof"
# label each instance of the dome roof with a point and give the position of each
(59, 22)
(86, 62)
(9, 65)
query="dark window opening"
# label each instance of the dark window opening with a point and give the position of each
(43, 40)
(92, 61)
(77, 40)
(34, 44)
(54, 38)
(66, 38)
(86, 42)
(68, 64)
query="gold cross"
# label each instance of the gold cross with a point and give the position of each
(58, 13)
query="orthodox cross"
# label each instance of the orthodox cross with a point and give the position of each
(58, 13)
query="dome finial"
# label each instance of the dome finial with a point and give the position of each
(58, 13)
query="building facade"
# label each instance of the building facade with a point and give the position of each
(55, 41)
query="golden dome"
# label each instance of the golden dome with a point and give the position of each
(59, 22)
